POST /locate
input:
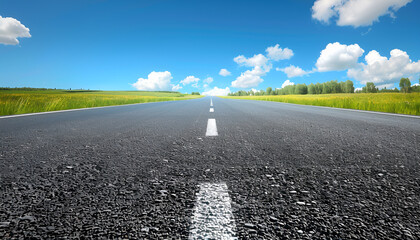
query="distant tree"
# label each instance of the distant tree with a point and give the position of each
(348, 87)
(301, 89)
(318, 88)
(195, 93)
(371, 88)
(326, 88)
(312, 89)
(269, 91)
(405, 85)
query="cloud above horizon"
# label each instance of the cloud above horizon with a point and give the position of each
(287, 83)
(189, 80)
(355, 13)
(383, 71)
(217, 92)
(155, 81)
(224, 72)
(260, 64)
(338, 57)
(11, 29)
(293, 71)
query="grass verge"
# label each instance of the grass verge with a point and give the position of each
(19, 101)
(380, 102)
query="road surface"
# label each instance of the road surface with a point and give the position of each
(179, 170)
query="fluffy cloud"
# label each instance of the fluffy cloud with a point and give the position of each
(355, 12)
(276, 53)
(287, 83)
(208, 80)
(293, 71)
(176, 87)
(224, 72)
(11, 29)
(250, 78)
(190, 79)
(257, 60)
(383, 71)
(338, 57)
(154, 81)
(260, 64)
(217, 92)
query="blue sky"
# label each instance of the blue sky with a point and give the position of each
(164, 45)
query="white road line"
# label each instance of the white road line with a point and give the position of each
(211, 109)
(211, 128)
(213, 218)
(211, 102)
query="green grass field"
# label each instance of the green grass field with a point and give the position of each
(30, 101)
(381, 102)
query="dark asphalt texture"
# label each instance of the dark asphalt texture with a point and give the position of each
(132, 172)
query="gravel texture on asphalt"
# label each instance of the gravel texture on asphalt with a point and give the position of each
(133, 172)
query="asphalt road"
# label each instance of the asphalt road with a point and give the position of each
(279, 171)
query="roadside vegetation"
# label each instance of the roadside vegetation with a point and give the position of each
(30, 100)
(343, 95)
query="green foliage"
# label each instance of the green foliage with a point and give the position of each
(30, 101)
(384, 90)
(382, 102)
(405, 85)
(319, 88)
(195, 93)
(312, 89)
(301, 89)
(269, 91)
(370, 88)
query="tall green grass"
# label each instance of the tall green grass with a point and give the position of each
(19, 102)
(381, 102)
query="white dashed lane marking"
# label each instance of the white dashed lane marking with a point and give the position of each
(211, 102)
(211, 109)
(213, 218)
(211, 127)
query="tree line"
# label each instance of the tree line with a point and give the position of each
(327, 88)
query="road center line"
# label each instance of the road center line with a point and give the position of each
(211, 109)
(213, 218)
(211, 128)
(211, 102)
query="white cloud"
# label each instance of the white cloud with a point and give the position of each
(358, 89)
(250, 78)
(195, 85)
(388, 86)
(176, 87)
(208, 80)
(415, 84)
(11, 29)
(276, 53)
(383, 71)
(224, 72)
(217, 92)
(338, 57)
(257, 60)
(355, 13)
(190, 79)
(254, 90)
(293, 71)
(287, 83)
(260, 64)
(154, 81)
